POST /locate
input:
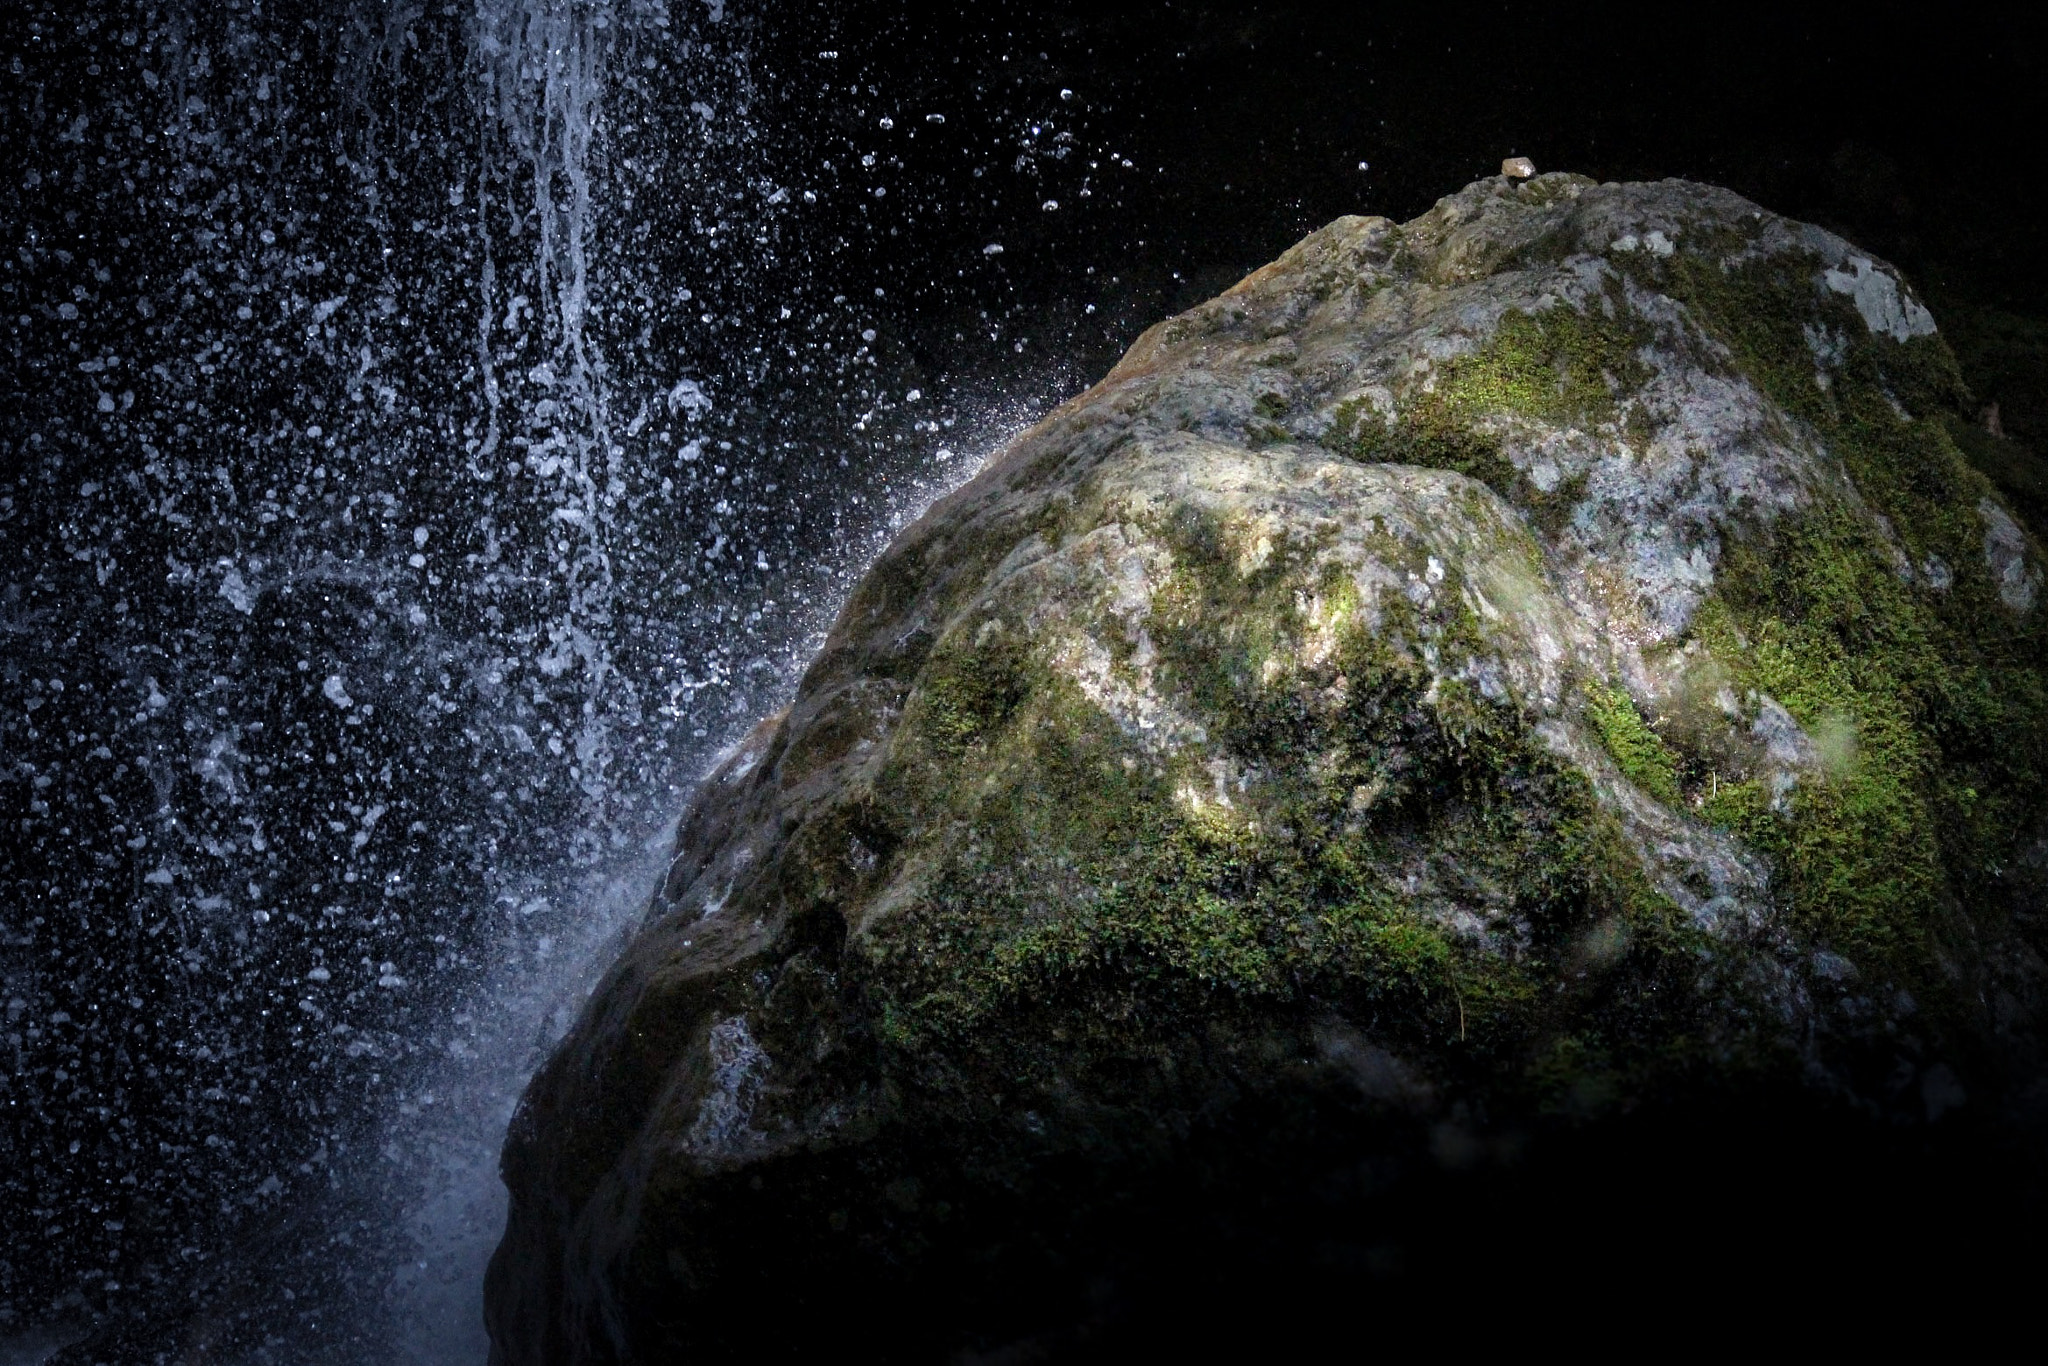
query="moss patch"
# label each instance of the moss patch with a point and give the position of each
(1637, 750)
(1561, 366)
(967, 693)
(1926, 702)
(1359, 835)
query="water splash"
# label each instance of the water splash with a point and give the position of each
(340, 367)
(393, 530)
(541, 70)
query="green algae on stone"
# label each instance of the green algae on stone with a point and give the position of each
(1639, 752)
(1885, 629)
(1563, 364)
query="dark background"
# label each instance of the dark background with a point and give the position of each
(1913, 130)
(1910, 128)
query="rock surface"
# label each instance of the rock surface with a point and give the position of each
(1477, 678)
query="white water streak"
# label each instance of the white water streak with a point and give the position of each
(542, 69)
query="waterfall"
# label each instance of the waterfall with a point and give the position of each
(431, 435)
(326, 545)
(541, 68)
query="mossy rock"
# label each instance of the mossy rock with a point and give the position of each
(1477, 682)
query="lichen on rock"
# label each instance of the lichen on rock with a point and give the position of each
(1483, 671)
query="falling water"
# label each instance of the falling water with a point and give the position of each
(369, 578)
(541, 70)
(400, 506)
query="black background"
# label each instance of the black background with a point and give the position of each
(1911, 128)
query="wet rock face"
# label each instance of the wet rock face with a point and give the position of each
(1477, 678)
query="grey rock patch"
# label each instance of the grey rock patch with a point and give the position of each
(2005, 554)
(1829, 347)
(1785, 742)
(1832, 966)
(1884, 303)
(723, 1124)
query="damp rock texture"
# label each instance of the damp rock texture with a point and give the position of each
(1475, 680)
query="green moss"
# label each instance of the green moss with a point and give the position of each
(1638, 751)
(1820, 621)
(1560, 366)
(965, 694)
(1050, 523)
(1427, 435)
(1259, 435)
(1922, 696)
(1128, 895)
(1743, 808)
(1157, 886)
(1922, 700)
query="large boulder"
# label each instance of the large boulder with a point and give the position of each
(1476, 683)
